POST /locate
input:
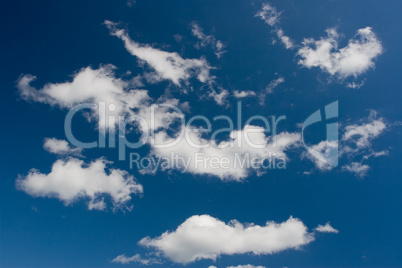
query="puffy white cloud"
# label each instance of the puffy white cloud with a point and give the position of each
(271, 16)
(352, 60)
(243, 94)
(100, 85)
(210, 40)
(205, 237)
(248, 149)
(72, 179)
(327, 228)
(123, 259)
(60, 147)
(167, 65)
(88, 86)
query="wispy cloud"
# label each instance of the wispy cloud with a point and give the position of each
(327, 228)
(123, 259)
(166, 65)
(207, 40)
(271, 16)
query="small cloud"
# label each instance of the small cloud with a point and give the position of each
(220, 98)
(357, 168)
(210, 40)
(246, 266)
(269, 89)
(60, 147)
(243, 94)
(354, 85)
(130, 3)
(271, 16)
(327, 228)
(123, 259)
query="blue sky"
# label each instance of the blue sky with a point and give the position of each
(66, 206)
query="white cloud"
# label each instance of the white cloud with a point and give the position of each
(327, 228)
(352, 60)
(216, 45)
(131, 3)
(326, 151)
(273, 84)
(284, 39)
(246, 266)
(243, 94)
(72, 179)
(354, 146)
(60, 147)
(88, 86)
(219, 98)
(123, 259)
(269, 89)
(271, 16)
(236, 157)
(205, 237)
(167, 65)
(355, 85)
(357, 168)
(100, 85)
(361, 135)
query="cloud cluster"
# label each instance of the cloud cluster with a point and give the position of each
(205, 237)
(357, 141)
(352, 60)
(72, 179)
(354, 146)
